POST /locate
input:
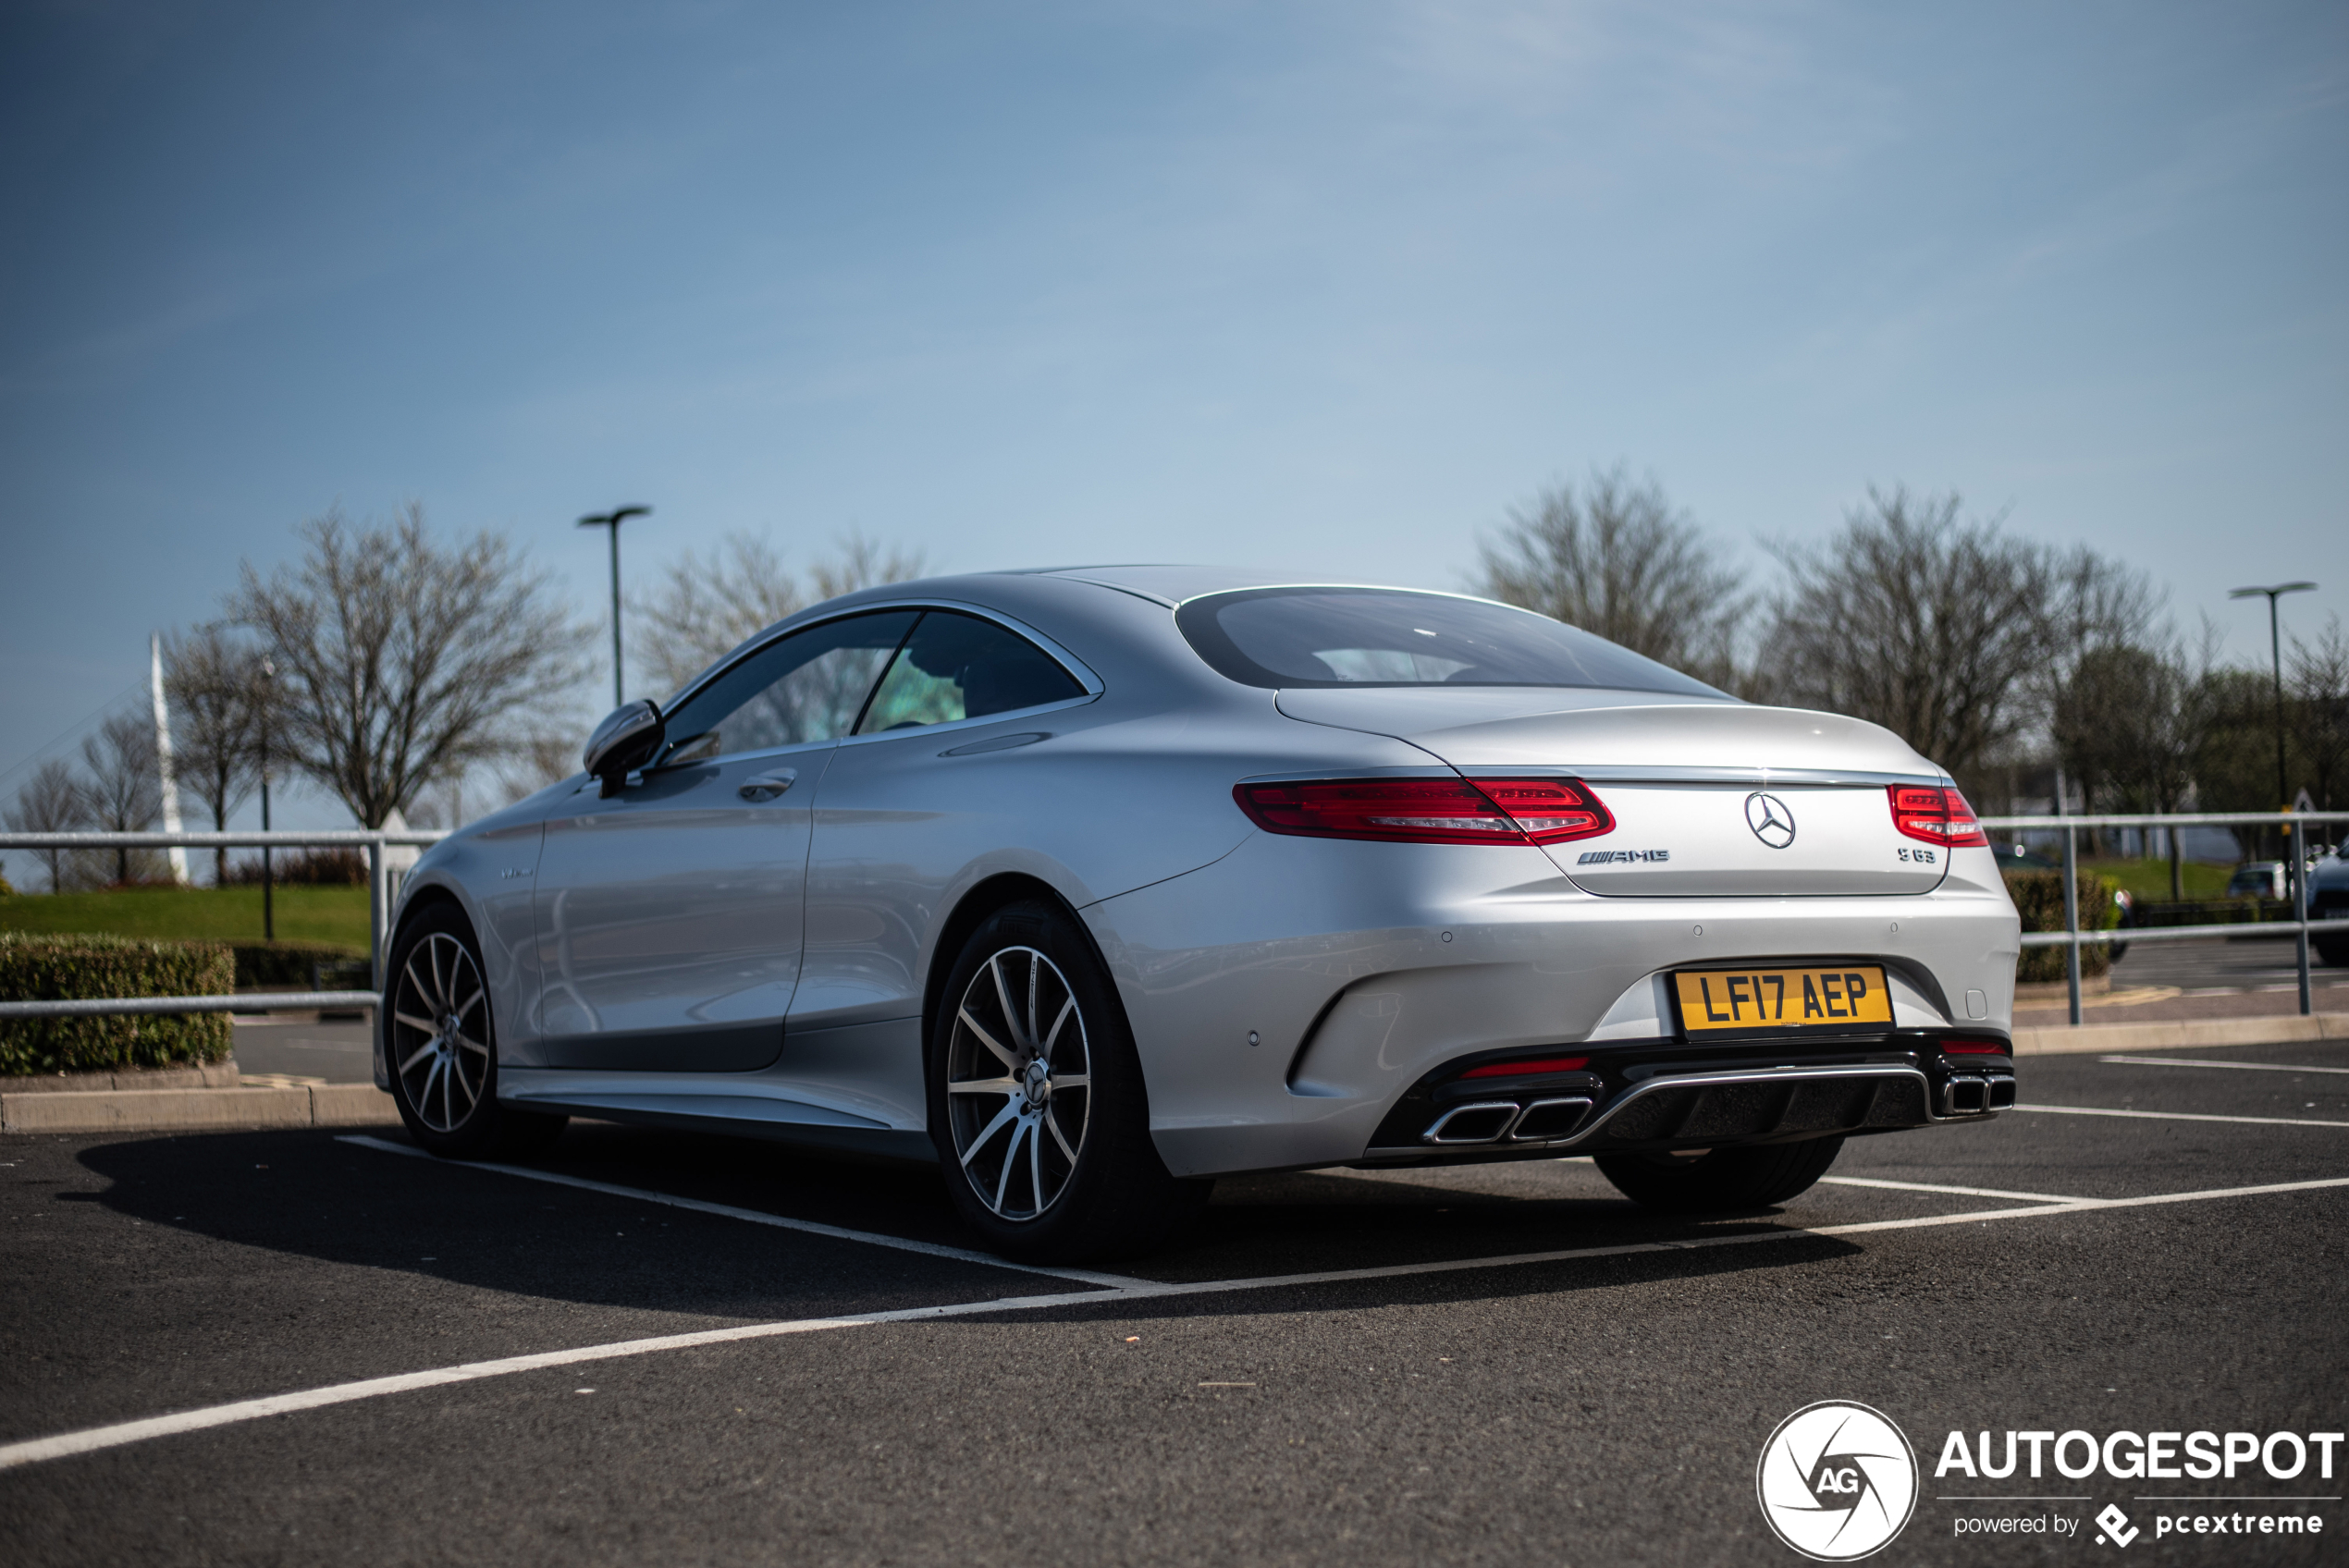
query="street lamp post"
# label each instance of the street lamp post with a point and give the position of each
(268, 708)
(613, 520)
(2275, 656)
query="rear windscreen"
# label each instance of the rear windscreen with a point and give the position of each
(1296, 637)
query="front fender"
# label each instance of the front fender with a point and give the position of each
(491, 874)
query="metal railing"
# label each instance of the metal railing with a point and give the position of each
(380, 893)
(2073, 938)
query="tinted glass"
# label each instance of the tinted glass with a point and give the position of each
(808, 686)
(960, 667)
(1390, 637)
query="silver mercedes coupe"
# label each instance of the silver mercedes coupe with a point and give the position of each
(1092, 885)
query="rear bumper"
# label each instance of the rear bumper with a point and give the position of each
(1286, 1000)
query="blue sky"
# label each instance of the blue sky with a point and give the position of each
(1309, 285)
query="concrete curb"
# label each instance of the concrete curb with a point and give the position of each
(201, 1076)
(187, 1110)
(2282, 1029)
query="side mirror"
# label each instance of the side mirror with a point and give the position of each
(627, 738)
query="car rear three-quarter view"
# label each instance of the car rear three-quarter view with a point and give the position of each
(1096, 884)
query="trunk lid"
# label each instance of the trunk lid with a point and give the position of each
(1711, 799)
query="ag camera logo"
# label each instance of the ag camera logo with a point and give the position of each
(1836, 1481)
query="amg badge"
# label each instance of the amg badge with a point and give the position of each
(1620, 857)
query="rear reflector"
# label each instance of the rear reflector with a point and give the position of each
(1973, 1047)
(1936, 815)
(1520, 1069)
(1429, 811)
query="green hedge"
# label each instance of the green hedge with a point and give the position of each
(289, 963)
(2038, 898)
(42, 968)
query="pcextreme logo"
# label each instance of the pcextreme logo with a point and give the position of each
(1836, 1481)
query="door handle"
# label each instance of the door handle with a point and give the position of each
(766, 786)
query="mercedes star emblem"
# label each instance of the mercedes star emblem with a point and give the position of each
(1771, 821)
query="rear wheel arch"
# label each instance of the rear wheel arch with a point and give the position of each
(1113, 1194)
(970, 911)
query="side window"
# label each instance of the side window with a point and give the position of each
(960, 667)
(808, 686)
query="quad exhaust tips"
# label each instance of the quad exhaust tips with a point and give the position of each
(1968, 1095)
(1669, 1110)
(1493, 1122)
(1571, 1119)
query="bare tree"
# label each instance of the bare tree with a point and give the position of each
(1936, 629)
(2116, 729)
(2319, 711)
(218, 700)
(2126, 725)
(52, 802)
(1615, 560)
(2111, 692)
(2234, 755)
(703, 607)
(125, 788)
(403, 662)
(2099, 619)
(2097, 603)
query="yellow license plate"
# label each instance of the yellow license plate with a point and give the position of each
(1810, 998)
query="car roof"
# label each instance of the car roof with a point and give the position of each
(1171, 584)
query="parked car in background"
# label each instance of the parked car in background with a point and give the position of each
(2258, 879)
(2329, 899)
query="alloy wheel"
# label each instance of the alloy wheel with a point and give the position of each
(1019, 1083)
(440, 1032)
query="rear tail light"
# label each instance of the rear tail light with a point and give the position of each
(1936, 815)
(1429, 811)
(1523, 1068)
(1975, 1047)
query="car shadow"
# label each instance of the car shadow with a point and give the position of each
(326, 1197)
(316, 1196)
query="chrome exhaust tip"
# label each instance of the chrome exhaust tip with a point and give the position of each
(1965, 1095)
(1482, 1122)
(1546, 1119)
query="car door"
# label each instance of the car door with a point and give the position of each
(904, 808)
(669, 916)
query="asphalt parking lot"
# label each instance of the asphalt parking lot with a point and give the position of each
(299, 1048)
(1497, 1364)
(2202, 967)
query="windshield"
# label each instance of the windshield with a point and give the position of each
(1294, 637)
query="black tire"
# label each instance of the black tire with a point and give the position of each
(440, 1043)
(1046, 1146)
(1723, 1180)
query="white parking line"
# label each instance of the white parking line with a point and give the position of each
(2239, 1066)
(1960, 1192)
(97, 1438)
(2177, 1116)
(757, 1216)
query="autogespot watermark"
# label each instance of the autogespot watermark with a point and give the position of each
(2238, 1457)
(1837, 1481)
